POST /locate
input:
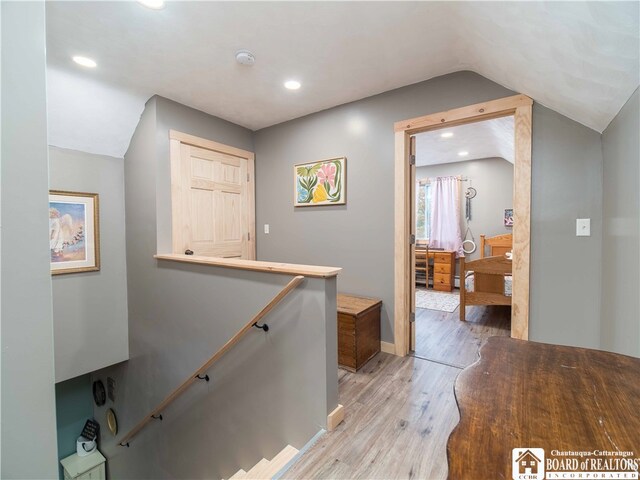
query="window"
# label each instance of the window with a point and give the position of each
(423, 211)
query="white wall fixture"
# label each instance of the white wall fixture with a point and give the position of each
(583, 227)
(266, 228)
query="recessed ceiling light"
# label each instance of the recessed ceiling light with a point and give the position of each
(463, 153)
(84, 61)
(152, 4)
(292, 84)
(447, 135)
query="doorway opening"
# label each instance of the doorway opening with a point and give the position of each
(519, 107)
(463, 204)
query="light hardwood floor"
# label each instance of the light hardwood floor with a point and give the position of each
(442, 337)
(400, 411)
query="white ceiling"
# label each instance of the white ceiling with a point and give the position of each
(579, 58)
(487, 139)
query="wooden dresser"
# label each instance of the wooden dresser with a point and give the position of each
(444, 267)
(358, 330)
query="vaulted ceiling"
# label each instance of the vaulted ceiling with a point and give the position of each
(578, 58)
(486, 139)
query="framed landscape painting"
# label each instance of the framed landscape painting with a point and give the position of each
(74, 232)
(320, 183)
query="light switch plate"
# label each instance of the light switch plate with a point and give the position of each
(266, 228)
(583, 227)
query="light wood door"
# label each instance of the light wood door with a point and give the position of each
(213, 208)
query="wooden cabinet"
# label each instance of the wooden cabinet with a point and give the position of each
(441, 263)
(358, 330)
(89, 467)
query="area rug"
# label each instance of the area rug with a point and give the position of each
(434, 300)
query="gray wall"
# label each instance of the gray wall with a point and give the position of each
(493, 180)
(621, 232)
(28, 402)
(90, 309)
(565, 269)
(179, 315)
(567, 184)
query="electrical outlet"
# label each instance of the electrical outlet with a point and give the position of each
(266, 228)
(583, 227)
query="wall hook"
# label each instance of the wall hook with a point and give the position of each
(124, 444)
(264, 326)
(206, 377)
(157, 417)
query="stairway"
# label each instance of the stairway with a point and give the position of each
(266, 469)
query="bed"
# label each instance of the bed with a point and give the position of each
(498, 245)
(488, 280)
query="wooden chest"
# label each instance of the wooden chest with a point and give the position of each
(358, 330)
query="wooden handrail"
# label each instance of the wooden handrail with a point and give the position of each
(209, 363)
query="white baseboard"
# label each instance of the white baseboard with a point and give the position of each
(387, 347)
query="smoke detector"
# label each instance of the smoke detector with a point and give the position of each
(245, 57)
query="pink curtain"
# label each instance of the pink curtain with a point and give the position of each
(445, 214)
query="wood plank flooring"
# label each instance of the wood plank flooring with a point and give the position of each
(401, 410)
(399, 413)
(442, 337)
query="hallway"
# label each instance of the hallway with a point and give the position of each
(401, 410)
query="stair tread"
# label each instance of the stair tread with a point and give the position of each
(281, 459)
(239, 475)
(269, 469)
(253, 473)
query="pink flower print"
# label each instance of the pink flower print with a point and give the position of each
(327, 173)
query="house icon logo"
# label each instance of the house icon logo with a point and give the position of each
(527, 463)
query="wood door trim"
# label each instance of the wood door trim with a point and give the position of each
(520, 106)
(501, 107)
(210, 145)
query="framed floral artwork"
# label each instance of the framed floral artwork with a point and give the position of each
(320, 183)
(74, 232)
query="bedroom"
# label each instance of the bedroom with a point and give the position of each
(464, 201)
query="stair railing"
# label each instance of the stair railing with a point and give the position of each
(199, 374)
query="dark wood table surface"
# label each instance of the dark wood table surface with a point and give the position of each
(526, 394)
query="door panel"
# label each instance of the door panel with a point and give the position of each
(202, 218)
(229, 218)
(213, 204)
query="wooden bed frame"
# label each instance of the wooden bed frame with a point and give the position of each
(489, 272)
(498, 245)
(488, 288)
